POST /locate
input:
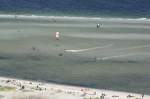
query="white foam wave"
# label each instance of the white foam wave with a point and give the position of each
(69, 17)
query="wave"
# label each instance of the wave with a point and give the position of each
(69, 18)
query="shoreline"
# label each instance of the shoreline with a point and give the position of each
(51, 89)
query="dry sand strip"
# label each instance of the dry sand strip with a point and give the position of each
(25, 89)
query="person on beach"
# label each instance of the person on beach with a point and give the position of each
(98, 25)
(57, 35)
(142, 95)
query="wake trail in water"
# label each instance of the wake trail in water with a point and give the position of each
(123, 55)
(135, 47)
(88, 49)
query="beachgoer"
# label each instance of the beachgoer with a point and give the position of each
(98, 25)
(142, 95)
(57, 35)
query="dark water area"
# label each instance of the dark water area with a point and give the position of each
(77, 72)
(98, 8)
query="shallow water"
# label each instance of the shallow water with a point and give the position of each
(123, 66)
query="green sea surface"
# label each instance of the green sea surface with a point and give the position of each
(29, 50)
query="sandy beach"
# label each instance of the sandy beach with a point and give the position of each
(40, 90)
